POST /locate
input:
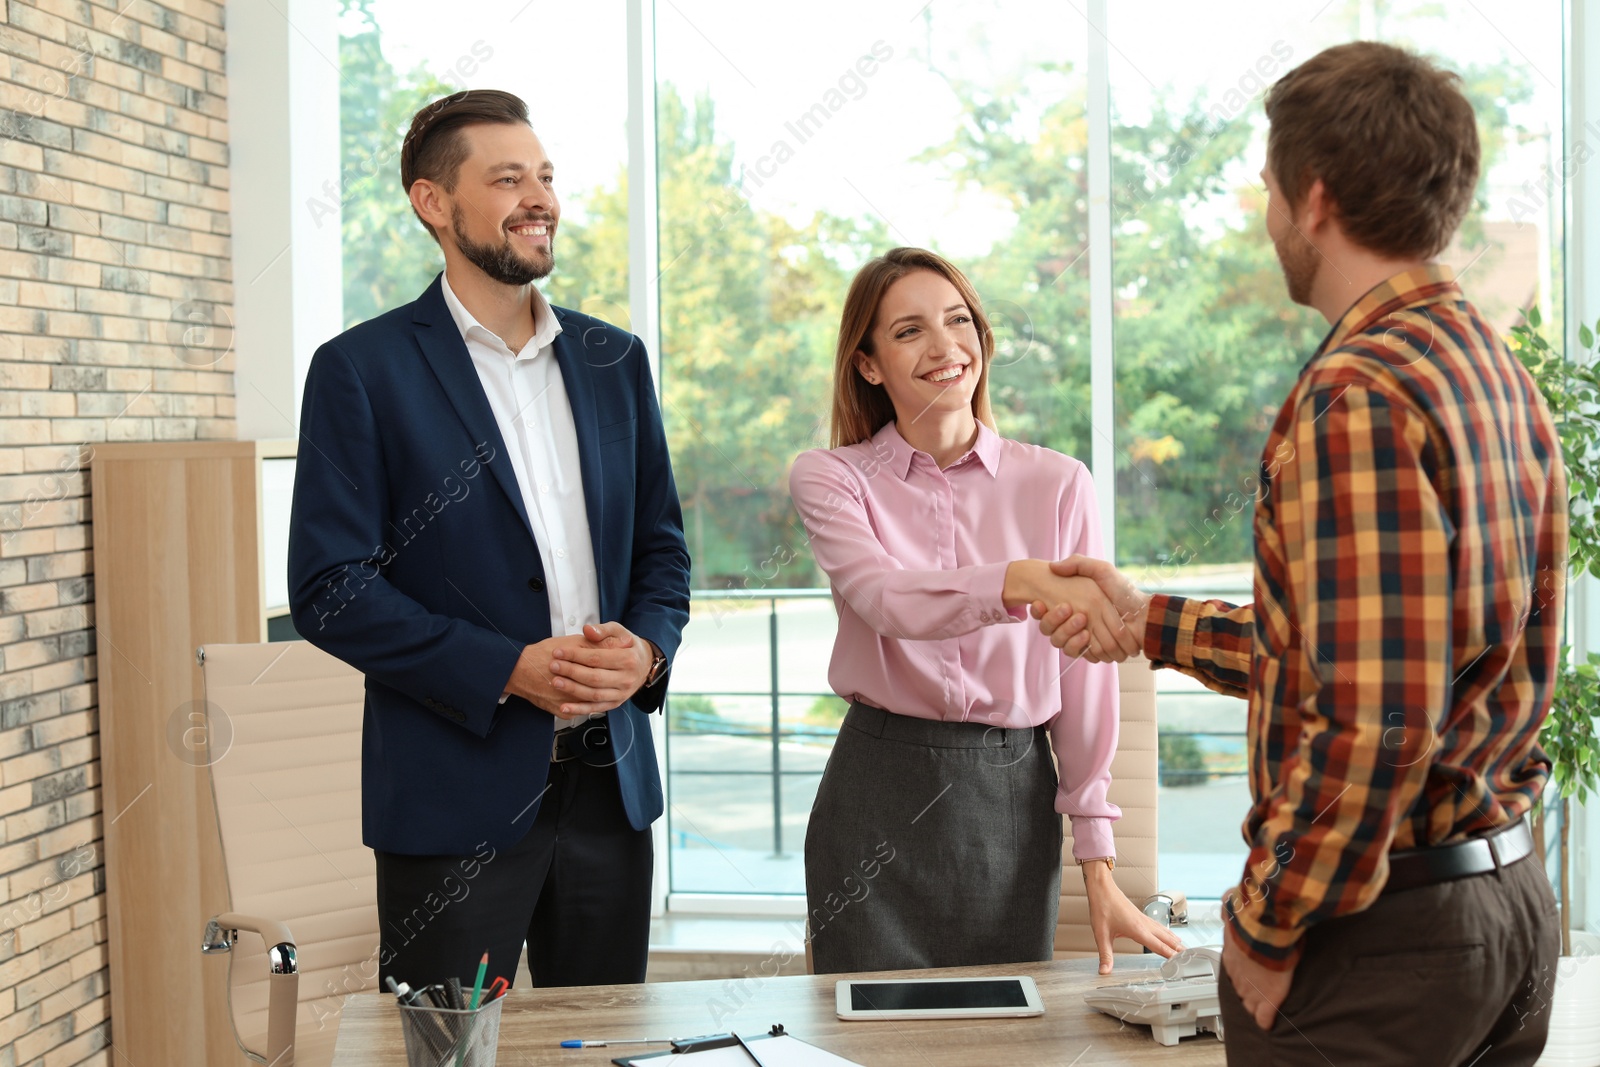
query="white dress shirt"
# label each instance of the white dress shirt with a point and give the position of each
(529, 400)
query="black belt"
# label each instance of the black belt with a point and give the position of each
(591, 739)
(1418, 867)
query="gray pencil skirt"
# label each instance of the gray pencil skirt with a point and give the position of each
(932, 844)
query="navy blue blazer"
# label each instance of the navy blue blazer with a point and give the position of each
(411, 558)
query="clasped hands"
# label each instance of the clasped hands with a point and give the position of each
(583, 674)
(1085, 606)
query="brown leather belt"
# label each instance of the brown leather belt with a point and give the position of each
(1418, 867)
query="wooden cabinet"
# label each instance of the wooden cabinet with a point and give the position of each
(190, 542)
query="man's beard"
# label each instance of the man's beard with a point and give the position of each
(500, 261)
(1298, 257)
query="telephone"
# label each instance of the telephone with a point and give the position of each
(1182, 1002)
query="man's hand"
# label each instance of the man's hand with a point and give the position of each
(1260, 989)
(1035, 582)
(1112, 915)
(608, 669)
(582, 674)
(1064, 623)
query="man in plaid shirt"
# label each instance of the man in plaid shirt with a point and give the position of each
(1410, 543)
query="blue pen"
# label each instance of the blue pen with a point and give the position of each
(619, 1041)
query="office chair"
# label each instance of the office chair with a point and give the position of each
(285, 761)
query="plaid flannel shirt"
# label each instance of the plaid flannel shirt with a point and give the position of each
(1411, 539)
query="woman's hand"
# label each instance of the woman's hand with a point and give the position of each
(1112, 915)
(1032, 582)
(1066, 625)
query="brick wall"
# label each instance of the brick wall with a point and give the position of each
(114, 274)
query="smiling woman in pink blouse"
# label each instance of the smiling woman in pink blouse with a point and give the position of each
(935, 839)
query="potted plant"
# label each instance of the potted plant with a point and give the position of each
(1571, 388)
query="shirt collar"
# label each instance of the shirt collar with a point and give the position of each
(1434, 283)
(897, 454)
(545, 325)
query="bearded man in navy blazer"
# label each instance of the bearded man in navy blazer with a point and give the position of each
(485, 524)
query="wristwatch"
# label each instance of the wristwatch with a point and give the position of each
(658, 667)
(1109, 861)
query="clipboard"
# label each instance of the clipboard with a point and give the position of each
(775, 1049)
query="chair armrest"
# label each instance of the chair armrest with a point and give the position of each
(274, 933)
(283, 983)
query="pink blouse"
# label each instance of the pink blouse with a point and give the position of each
(916, 558)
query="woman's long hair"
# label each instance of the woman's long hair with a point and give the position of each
(861, 409)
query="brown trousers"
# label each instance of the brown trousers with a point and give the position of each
(1455, 974)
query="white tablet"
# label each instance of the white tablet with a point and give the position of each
(937, 998)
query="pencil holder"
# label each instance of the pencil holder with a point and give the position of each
(440, 1037)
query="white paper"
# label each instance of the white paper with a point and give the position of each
(782, 1051)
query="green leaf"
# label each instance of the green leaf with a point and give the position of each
(1585, 337)
(1533, 316)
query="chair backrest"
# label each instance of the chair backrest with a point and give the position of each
(286, 773)
(1133, 789)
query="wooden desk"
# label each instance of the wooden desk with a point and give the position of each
(533, 1022)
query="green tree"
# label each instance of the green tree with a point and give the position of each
(750, 304)
(1181, 759)
(1571, 735)
(1207, 342)
(591, 273)
(388, 258)
(1027, 148)
(826, 711)
(692, 713)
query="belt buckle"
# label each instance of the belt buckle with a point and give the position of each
(601, 741)
(1501, 843)
(555, 748)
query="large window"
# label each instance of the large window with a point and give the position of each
(970, 134)
(792, 145)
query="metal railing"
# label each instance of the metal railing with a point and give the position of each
(774, 693)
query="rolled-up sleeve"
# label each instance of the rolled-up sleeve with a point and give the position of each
(1208, 640)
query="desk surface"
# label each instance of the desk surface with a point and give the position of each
(534, 1021)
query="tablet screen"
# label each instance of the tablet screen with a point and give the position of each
(924, 996)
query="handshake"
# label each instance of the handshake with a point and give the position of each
(1085, 606)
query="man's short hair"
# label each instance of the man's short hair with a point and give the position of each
(1390, 134)
(434, 148)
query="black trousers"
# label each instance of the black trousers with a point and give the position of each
(576, 887)
(1452, 974)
